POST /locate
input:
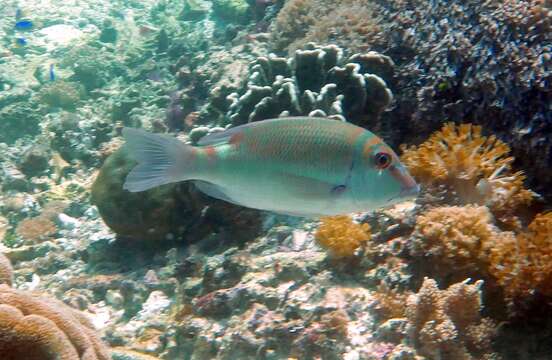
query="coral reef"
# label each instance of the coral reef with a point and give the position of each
(482, 62)
(316, 81)
(447, 324)
(522, 264)
(352, 24)
(475, 169)
(236, 11)
(60, 94)
(341, 236)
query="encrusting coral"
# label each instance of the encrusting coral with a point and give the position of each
(341, 236)
(475, 169)
(523, 264)
(447, 324)
(6, 270)
(38, 328)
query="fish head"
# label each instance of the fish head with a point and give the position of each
(381, 180)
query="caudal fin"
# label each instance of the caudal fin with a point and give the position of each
(161, 160)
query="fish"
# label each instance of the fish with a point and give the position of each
(20, 41)
(300, 166)
(24, 25)
(51, 73)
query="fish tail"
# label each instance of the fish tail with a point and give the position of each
(161, 160)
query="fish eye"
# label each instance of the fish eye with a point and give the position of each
(382, 160)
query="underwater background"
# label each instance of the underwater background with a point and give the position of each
(460, 89)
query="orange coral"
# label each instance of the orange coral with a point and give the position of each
(476, 168)
(36, 229)
(341, 236)
(36, 328)
(446, 324)
(6, 271)
(523, 264)
(457, 239)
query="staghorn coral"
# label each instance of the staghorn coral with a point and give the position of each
(341, 236)
(351, 24)
(523, 264)
(316, 81)
(447, 324)
(474, 168)
(455, 241)
(6, 270)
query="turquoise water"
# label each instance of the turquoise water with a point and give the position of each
(456, 92)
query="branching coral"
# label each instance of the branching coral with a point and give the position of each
(523, 264)
(36, 328)
(341, 236)
(316, 81)
(446, 324)
(454, 240)
(474, 168)
(6, 271)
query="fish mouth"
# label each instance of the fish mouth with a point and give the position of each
(410, 192)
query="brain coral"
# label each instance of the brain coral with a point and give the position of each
(474, 168)
(447, 324)
(317, 81)
(6, 271)
(38, 328)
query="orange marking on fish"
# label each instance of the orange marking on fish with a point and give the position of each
(369, 146)
(236, 139)
(211, 152)
(354, 135)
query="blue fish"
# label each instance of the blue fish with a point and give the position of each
(52, 74)
(18, 14)
(20, 41)
(24, 25)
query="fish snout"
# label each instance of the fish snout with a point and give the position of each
(409, 187)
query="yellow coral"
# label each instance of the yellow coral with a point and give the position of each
(476, 168)
(446, 324)
(457, 239)
(523, 264)
(341, 236)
